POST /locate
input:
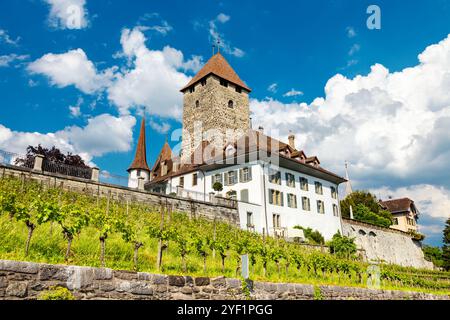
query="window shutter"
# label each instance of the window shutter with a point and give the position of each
(270, 196)
(241, 175)
(250, 174)
(226, 179)
(282, 198)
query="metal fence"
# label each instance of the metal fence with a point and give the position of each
(110, 178)
(200, 196)
(68, 170)
(10, 158)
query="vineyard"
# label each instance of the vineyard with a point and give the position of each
(55, 226)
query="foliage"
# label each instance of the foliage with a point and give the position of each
(313, 236)
(56, 293)
(363, 213)
(372, 213)
(59, 216)
(446, 247)
(434, 254)
(53, 154)
(342, 247)
(217, 186)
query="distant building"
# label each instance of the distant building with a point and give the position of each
(404, 212)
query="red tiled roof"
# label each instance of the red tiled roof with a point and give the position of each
(397, 205)
(220, 67)
(140, 159)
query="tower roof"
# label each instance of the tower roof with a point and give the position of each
(140, 159)
(220, 67)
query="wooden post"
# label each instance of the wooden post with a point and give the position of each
(160, 244)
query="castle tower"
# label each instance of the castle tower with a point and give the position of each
(139, 168)
(216, 103)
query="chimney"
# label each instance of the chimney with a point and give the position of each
(292, 141)
(261, 130)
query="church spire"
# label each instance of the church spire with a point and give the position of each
(140, 159)
(348, 184)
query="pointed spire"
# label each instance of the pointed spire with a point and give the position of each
(348, 184)
(140, 159)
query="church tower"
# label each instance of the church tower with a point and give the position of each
(139, 168)
(216, 103)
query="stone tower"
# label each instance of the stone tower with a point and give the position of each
(216, 107)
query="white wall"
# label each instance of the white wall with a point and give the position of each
(133, 178)
(327, 223)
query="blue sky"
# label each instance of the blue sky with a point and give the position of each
(288, 52)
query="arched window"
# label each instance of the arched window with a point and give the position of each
(231, 104)
(197, 104)
(372, 234)
(362, 232)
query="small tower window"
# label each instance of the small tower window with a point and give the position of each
(197, 104)
(223, 82)
(203, 82)
(192, 89)
(238, 90)
(231, 104)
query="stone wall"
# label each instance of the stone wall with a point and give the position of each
(386, 245)
(24, 280)
(192, 207)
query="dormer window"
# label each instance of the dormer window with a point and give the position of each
(192, 89)
(238, 90)
(231, 104)
(224, 83)
(203, 82)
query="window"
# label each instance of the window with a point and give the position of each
(216, 178)
(232, 194)
(320, 207)
(231, 104)
(244, 195)
(334, 193)
(395, 221)
(230, 178)
(238, 89)
(194, 179)
(203, 82)
(290, 180)
(275, 177)
(182, 182)
(304, 184)
(319, 188)
(245, 175)
(335, 210)
(192, 89)
(292, 201)
(276, 198)
(306, 204)
(276, 221)
(139, 173)
(197, 104)
(250, 220)
(224, 83)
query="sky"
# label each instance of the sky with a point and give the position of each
(79, 74)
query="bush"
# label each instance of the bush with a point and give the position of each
(313, 236)
(342, 247)
(363, 213)
(56, 293)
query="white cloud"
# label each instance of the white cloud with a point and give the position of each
(217, 37)
(162, 128)
(7, 60)
(102, 134)
(68, 14)
(154, 79)
(75, 110)
(273, 88)
(392, 126)
(5, 37)
(351, 33)
(146, 22)
(293, 93)
(72, 68)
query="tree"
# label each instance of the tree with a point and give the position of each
(342, 247)
(364, 214)
(53, 154)
(313, 236)
(434, 254)
(217, 187)
(446, 247)
(368, 200)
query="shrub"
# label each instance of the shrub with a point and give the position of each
(56, 293)
(342, 247)
(313, 236)
(363, 213)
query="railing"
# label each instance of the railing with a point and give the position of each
(10, 158)
(110, 178)
(281, 233)
(68, 170)
(200, 196)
